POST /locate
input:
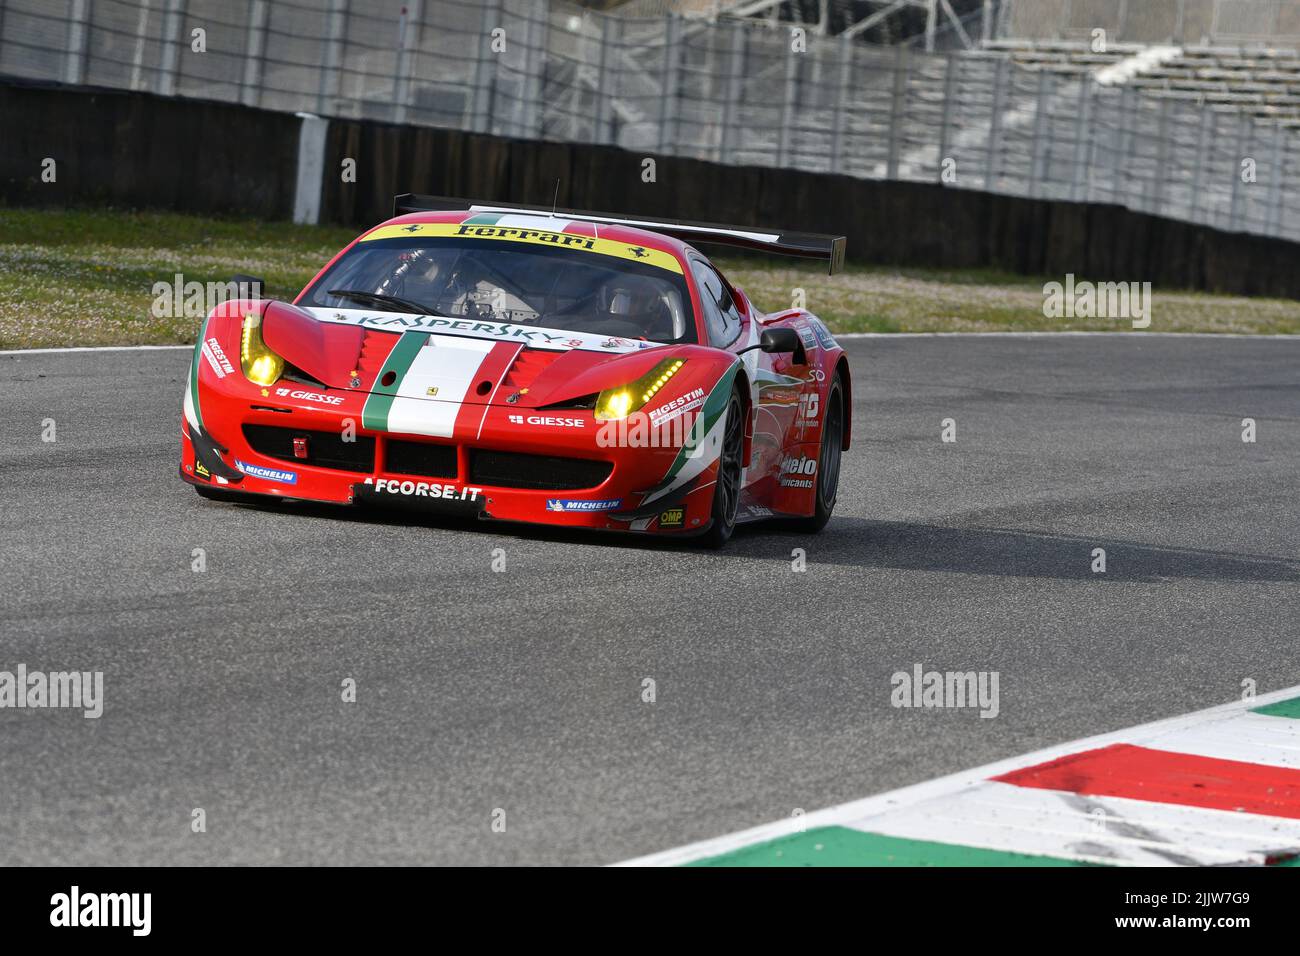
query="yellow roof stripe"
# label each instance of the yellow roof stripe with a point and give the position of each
(542, 237)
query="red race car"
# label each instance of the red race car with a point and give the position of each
(562, 367)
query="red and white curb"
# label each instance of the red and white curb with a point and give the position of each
(1216, 787)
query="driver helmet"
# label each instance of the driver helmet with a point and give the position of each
(631, 298)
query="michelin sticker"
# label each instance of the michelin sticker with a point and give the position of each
(268, 474)
(569, 504)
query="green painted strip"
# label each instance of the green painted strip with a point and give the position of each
(1283, 708)
(843, 846)
(715, 403)
(194, 371)
(484, 219)
(374, 416)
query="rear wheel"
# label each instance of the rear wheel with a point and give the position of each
(828, 461)
(726, 493)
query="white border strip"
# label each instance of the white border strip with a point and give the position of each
(945, 786)
(95, 348)
(1062, 333)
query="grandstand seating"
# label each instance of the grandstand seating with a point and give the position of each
(1264, 83)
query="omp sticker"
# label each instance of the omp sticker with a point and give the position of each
(531, 235)
(672, 518)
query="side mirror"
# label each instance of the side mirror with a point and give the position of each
(248, 287)
(780, 340)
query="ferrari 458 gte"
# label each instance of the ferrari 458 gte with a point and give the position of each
(562, 368)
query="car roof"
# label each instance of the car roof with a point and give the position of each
(558, 223)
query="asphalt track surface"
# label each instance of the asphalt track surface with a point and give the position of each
(522, 690)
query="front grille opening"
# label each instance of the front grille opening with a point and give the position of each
(507, 469)
(294, 374)
(420, 458)
(324, 449)
(585, 401)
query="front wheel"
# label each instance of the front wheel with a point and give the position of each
(726, 494)
(828, 462)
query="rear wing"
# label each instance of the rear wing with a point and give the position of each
(809, 245)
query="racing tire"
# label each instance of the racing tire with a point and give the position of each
(726, 493)
(828, 461)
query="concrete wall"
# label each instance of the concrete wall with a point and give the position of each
(136, 149)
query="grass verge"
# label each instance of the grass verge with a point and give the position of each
(86, 277)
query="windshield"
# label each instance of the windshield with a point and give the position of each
(524, 282)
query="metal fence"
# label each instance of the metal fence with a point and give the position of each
(1214, 22)
(732, 91)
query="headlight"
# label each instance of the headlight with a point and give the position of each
(615, 403)
(261, 366)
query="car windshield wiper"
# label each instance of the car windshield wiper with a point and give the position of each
(406, 305)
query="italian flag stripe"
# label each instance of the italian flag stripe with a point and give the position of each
(374, 416)
(1093, 829)
(494, 368)
(1138, 773)
(844, 846)
(1289, 709)
(1220, 787)
(192, 387)
(430, 395)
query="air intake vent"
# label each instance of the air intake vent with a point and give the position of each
(525, 369)
(506, 469)
(324, 449)
(420, 458)
(374, 349)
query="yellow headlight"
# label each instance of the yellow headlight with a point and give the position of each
(616, 403)
(261, 366)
